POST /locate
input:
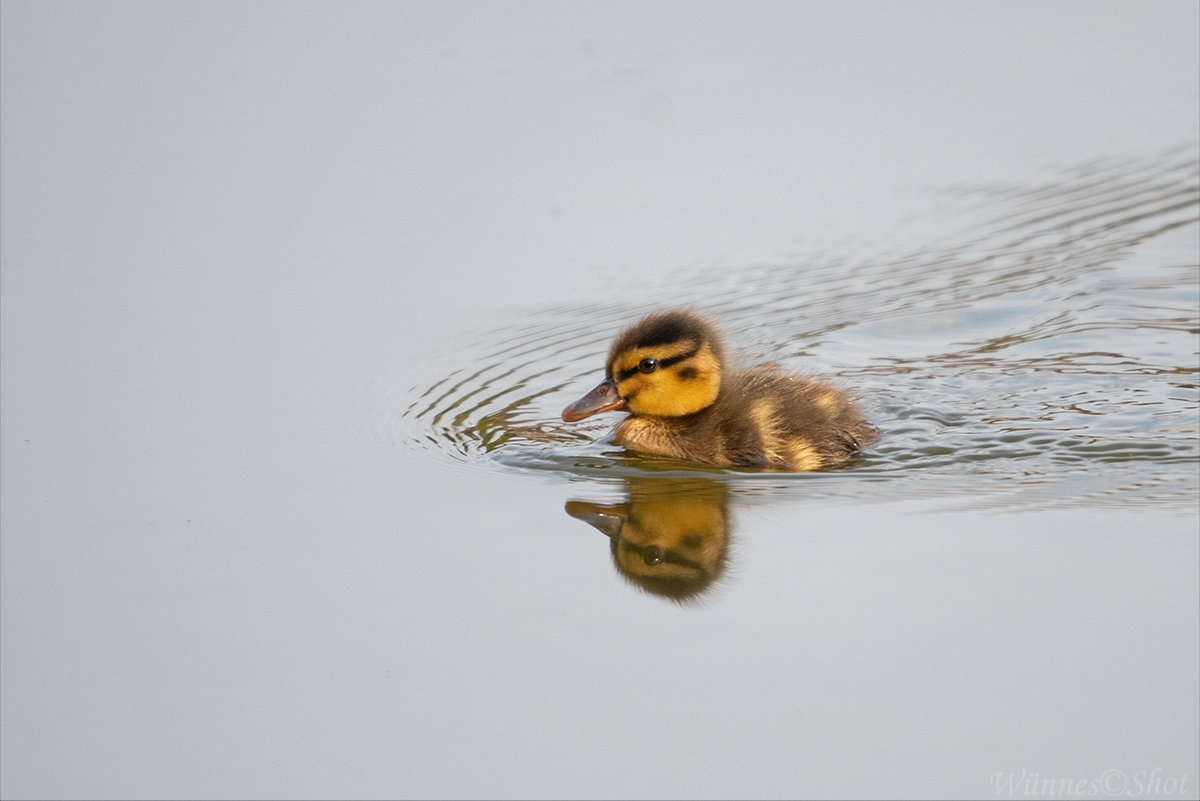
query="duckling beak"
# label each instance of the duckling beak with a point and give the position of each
(607, 519)
(603, 398)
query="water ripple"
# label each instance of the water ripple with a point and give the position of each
(1045, 355)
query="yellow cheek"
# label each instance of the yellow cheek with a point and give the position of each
(665, 395)
(695, 529)
(666, 392)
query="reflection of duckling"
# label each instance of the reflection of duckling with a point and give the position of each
(668, 370)
(669, 538)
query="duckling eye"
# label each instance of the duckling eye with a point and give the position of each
(652, 555)
(648, 365)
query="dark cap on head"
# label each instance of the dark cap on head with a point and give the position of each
(662, 328)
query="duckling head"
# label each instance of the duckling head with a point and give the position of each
(670, 538)
(666, 365)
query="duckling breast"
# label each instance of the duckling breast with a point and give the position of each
(668, 437)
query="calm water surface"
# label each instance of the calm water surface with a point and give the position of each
(1044, 355)
(293, 296)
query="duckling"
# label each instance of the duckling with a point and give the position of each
(669, 372)
(669, 538)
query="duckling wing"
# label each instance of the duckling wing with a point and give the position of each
(794, 422)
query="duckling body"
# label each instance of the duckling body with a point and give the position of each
(669, 371)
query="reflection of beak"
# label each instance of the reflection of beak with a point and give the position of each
(603, 398)
(606, 518)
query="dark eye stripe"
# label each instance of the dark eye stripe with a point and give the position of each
(621, 375)
(677, 359)
(667, 554)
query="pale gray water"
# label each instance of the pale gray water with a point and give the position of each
(292, 297)
(1054, 334)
